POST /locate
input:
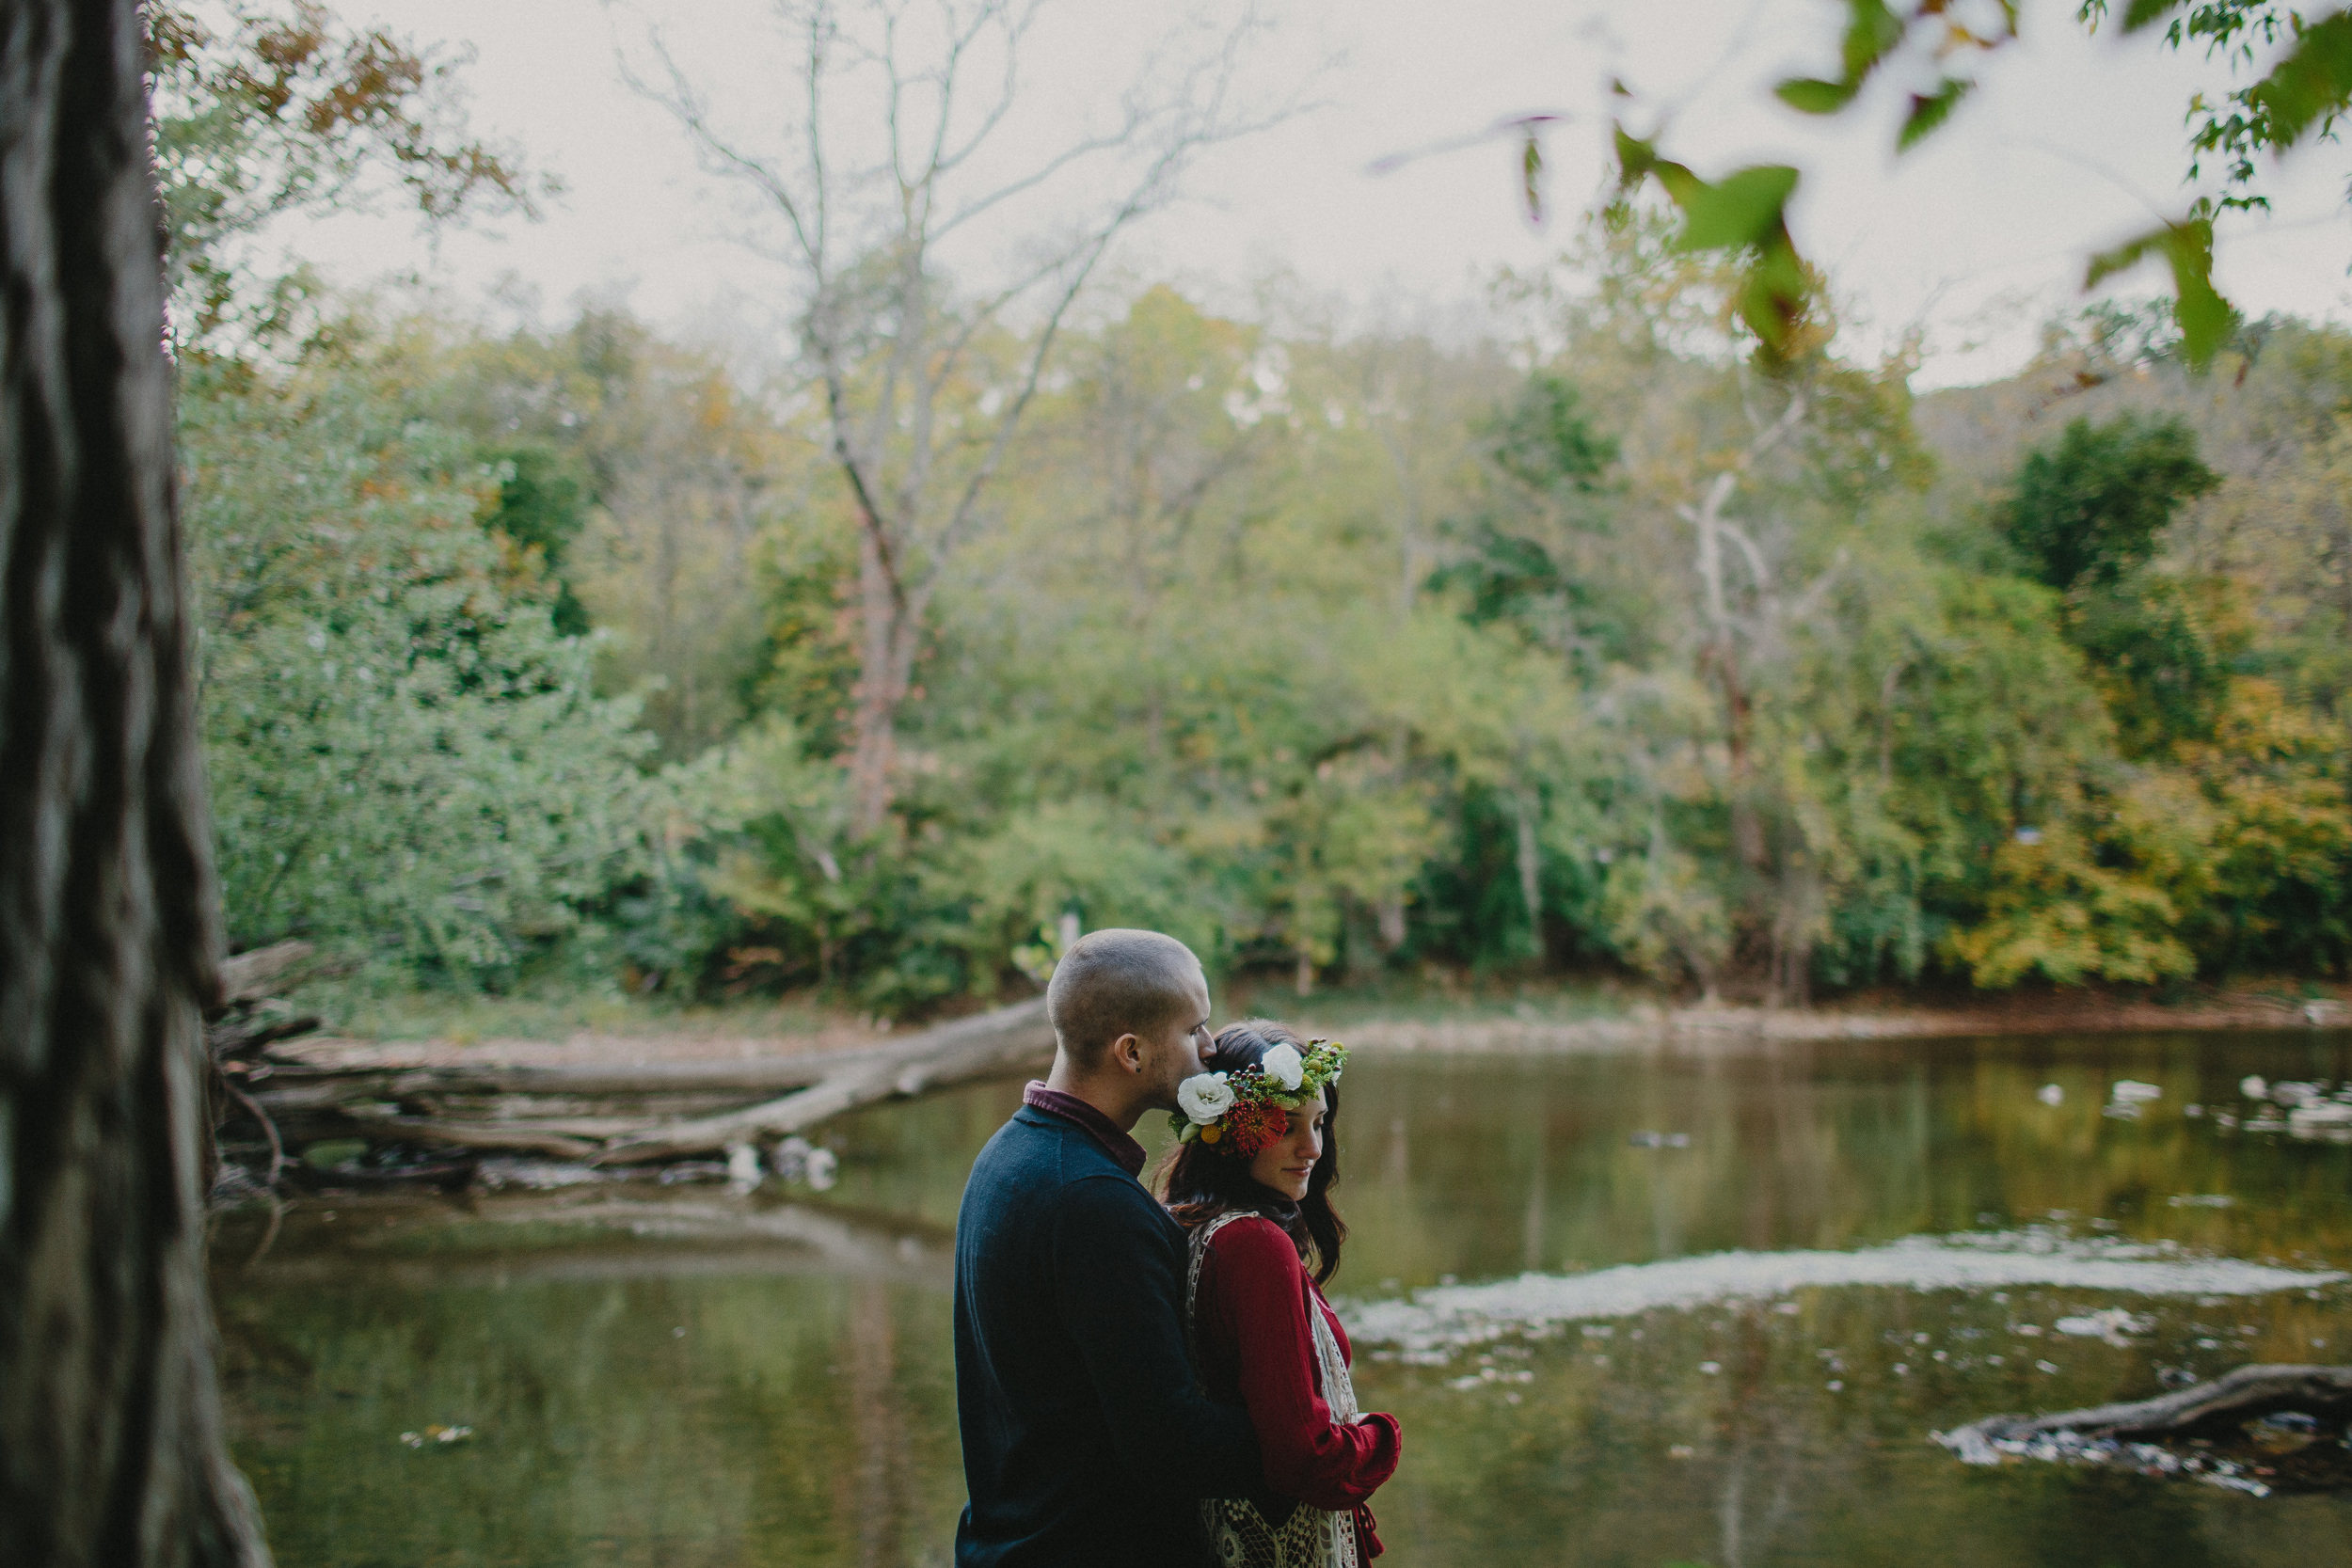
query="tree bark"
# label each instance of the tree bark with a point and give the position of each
(111, 1447)
(892, 634)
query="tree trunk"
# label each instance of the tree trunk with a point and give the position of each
(1747, 825)
(890, 636)
(1531, 869)
(875, 741)
(1388, 918)
(111, 1449)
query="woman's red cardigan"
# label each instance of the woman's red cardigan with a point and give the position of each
(1256, 1349)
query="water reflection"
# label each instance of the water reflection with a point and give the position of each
(683, 1377)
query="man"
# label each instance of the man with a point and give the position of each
(1086, 1441)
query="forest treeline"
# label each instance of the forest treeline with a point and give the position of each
(1591, 641)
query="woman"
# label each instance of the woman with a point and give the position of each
(1250, 1179)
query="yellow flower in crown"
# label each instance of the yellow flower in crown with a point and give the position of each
(1244, 1111)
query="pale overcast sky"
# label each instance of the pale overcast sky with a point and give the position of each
(2073, 143)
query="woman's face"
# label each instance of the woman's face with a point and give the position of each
(1285, 1163)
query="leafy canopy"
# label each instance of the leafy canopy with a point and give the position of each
(262, 113)
(2090, 509)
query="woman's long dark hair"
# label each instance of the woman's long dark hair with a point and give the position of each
(1197, 1183)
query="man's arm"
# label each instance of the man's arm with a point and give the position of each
(1121, 1291)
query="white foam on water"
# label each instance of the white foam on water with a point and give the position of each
(1433, 1322)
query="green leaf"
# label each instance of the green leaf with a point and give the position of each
(2206, 317)
(1772, 296)
(1871, 31)
(1742, 209)
(1635, 157)
(2313, 81)
(2141, 13)
(1679, 182)
(2106, 263)
(1932, 111)
(1811, 96)
(1530, 178)
(1740, 212)
(1638, 159)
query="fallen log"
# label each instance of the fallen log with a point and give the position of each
(2245, 1395)
(461, 1134)
(758, 1075)
(249, 977)
(958, 1052)
(242, 1023)
(626, 1115)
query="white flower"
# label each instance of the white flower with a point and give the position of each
(1282, 1064)
(1205, 1097)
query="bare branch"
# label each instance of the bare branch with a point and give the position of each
(683, 102)
(1011, 418)
(1777, 432)
(948, 161)
(1757, 569)
(895, 116)
(1073, 153)
(1196, 122)
(821, 33)
(869, 515)
(1809, 603)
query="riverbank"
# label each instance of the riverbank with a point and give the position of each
(1645, 1024)
(403, 1111)
(616, 1037)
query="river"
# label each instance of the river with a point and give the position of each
(1652, 1308)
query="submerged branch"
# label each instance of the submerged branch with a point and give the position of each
(2225, 1402)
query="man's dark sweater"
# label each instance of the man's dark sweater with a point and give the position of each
(1084, 1441)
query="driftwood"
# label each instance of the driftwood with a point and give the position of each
(725, 1080)
(2225, 1403)
(243, 1021)
(958, 1052)
(252, 976)
(620, 1115)
(249, 1018)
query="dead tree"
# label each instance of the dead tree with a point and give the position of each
(111, 1447)
(923, 390)
(1746, 638)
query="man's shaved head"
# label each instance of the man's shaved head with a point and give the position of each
(1116, 982)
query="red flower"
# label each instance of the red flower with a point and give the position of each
(1251, 1126)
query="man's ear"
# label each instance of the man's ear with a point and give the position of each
(1127, 1051)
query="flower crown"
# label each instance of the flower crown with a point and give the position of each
(1244, 1111)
